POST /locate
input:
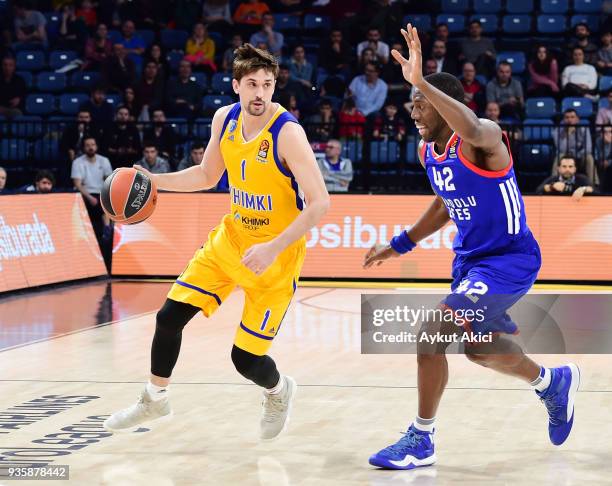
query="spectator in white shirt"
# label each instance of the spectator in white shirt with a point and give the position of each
(579, 79)
(368, 90)
(337, 171)
(380, 48)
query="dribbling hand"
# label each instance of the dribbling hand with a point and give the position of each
(378, 254)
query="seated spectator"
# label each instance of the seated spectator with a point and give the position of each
(444, 63)
(337, 171)
(604, 115)
(442, 33)
(3, 190)
(133, 44)
(492, 112)
(543, 73)
(300, 69)
(250, 12)
(122, 140)
(285, 86)
(98, 49)
(200, 49)
(368, 90)
(273, 40)
(474, 91)
(88, 174)
(506, 92)
(336, 55)
(162, 135)
(380, 48)
(575, 139)
(566, 182)
(582, 40)
(289, 102)
(101, 111)
(119, 70)
(30, 25)
(195, 157)
(44, 183)
(72, 32)
(322, 125)
(228, 55)
(603, 155)
(579, 79)
(391, 72)
(129, 101)
(478, 50)
(367, 56)
(151, 160)
(216, 14)
(388, 125)
(87, 12)
(604, 54)
(351, 121)
(183, 95)
(149, 91)
(73, 135)
(13, 89)
(156, 54)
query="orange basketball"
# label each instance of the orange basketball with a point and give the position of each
(128, 196)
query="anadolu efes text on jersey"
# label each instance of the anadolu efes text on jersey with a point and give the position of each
(486, 206)
(264, 195)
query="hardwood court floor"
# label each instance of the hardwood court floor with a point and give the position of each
(490, 430)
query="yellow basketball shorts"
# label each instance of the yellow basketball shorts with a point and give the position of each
(216, 269)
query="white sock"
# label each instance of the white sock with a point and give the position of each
(278, 388)
(542, 382)
(156, 392)
(424, 425)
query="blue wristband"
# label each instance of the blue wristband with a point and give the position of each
(402, 243)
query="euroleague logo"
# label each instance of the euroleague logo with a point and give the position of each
(262, 153)
(141, 189)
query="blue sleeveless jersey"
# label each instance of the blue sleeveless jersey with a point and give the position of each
(487, 207)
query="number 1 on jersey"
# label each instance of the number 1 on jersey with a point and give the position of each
(243, 170)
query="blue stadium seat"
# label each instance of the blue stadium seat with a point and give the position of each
(515, 58)
(214, 102)
(605, 83)
(30, 61)
(591, 20)
(551, 24)
(456, 23)
(50, 82)
(174, 58)
(4, 5)
(114, 36)
(174, 39)
(54, 21)
(519, 6)
(14, 149)
(221, 83)
(202, 128)
(148, 36)
(384, 152)
(46, 149)
(317, 22)
(352, 149)
(284, 22)
(536, 155)
(603, 103)
(40, 104)
(489, 23)
(85, 80)
(422, 22)
(26, 126)
(540, 108)
(455, 6)
(487, 6)
(516, 24)
(27, 77)
(537, 130)
(583, 106)
(180, 125)
(554, 6)
(69, 103)
(114, 100)
(58, 123)
(199, 78)
(588, 6)
(58, 59)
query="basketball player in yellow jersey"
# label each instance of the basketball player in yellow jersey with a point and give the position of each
(259, 246)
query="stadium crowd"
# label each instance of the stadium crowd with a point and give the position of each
(140, 80)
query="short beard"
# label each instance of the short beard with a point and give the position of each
(252, 113)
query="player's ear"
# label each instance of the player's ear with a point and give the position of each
(236, 85)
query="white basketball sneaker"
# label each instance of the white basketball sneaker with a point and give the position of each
(276, 410)
(145, 411)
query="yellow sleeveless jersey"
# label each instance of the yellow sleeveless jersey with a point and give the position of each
(264, 195)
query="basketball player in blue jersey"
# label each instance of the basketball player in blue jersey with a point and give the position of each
(497, 259)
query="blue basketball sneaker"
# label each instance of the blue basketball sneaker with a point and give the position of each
(559, 400)
(414, 449)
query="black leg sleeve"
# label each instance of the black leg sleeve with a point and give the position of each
(261, 370)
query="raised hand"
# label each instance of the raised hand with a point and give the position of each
(412, 68)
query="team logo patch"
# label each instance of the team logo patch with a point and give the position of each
(236, 216)
(232, 126)
(452, 151)
(262, 153)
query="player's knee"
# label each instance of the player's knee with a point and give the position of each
(170, 319)
(479, 358)
(244, 361)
